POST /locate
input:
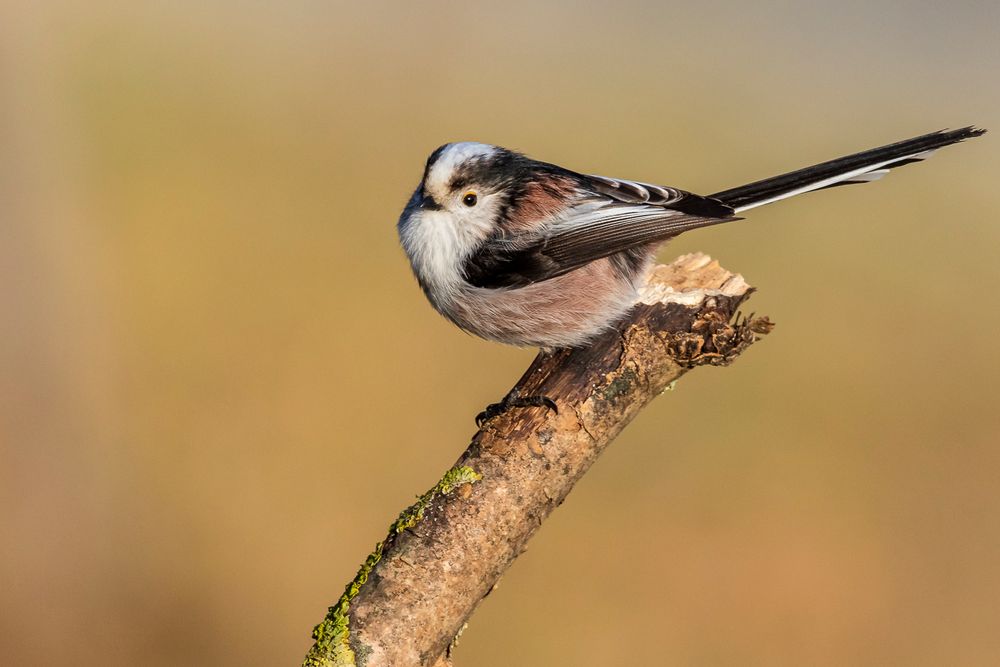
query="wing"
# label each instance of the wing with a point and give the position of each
(609, 216)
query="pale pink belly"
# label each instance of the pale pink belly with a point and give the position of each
(566, 311)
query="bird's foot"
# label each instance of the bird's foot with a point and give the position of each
(514, 400)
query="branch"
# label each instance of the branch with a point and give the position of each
(414, 594)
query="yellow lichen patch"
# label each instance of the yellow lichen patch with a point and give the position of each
(332, 647)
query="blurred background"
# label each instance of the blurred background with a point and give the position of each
(210, 342)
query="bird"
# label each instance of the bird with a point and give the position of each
(532, 254)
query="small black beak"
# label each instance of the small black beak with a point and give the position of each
(427, 203)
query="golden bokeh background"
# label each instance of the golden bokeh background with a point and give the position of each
(219, 382)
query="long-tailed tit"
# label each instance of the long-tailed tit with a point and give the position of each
(532, 254)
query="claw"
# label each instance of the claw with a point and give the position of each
(515, 400)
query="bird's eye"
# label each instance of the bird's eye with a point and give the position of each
(470, 199)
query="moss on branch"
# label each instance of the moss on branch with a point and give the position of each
(332, 646)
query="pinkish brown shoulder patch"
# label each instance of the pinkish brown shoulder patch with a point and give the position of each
(541, 200)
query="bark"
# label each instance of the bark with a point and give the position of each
(417, 589)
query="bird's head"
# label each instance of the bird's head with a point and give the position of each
(471, 193)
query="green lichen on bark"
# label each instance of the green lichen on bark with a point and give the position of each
(452, 479)
(332, 647)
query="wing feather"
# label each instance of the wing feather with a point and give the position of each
(597, 227)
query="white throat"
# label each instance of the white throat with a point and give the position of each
(436, 248)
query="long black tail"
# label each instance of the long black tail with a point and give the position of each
(858, 168)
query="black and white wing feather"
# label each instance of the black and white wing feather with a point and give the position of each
(610, 216)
